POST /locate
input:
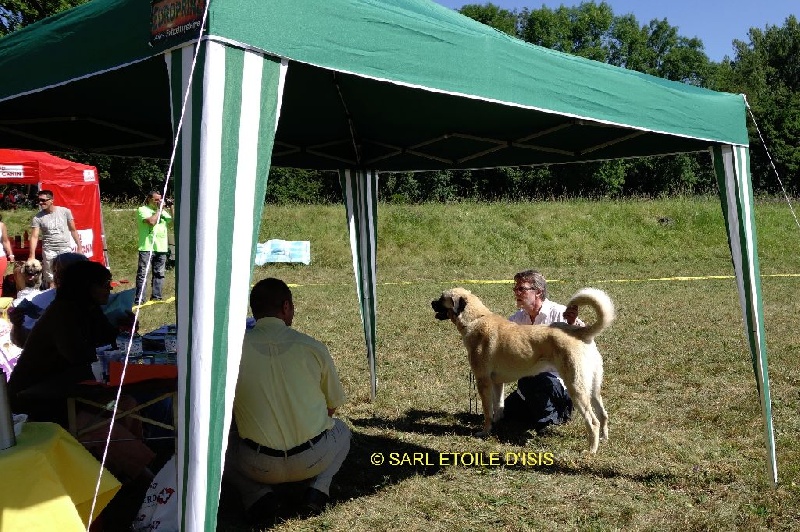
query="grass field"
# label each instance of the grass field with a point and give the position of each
(686, 449)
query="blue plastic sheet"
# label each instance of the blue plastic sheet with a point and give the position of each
(283, 251)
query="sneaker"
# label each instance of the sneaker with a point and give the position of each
(315, 502)
(264, 511)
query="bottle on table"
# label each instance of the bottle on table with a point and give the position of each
(7, 437)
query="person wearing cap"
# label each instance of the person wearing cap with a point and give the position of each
(56, 226)
(152, 221)
(542, 399)
(287, 393)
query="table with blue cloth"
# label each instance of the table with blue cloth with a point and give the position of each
(49, 482)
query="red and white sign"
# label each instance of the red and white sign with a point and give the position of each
(11, 171)
(87, 241)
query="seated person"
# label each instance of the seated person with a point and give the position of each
(10, 200)
(58, 354)
(286, 395)
(23, 315)
(539, 400)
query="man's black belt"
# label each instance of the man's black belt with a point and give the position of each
(257, 447)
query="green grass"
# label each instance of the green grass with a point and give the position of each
(687, 448)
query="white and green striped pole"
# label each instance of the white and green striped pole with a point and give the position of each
(361, 201)
(732, 167)
(223, 159)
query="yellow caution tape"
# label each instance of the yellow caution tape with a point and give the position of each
(153, 302)
(678, 278)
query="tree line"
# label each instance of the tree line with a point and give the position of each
(765, 67)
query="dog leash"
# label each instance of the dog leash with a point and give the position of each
(472, 393)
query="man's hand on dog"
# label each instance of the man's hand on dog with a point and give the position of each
(571, 314)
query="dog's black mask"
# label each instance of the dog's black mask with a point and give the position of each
(443, 313)
(440, 309)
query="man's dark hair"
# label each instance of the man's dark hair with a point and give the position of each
(48, 193)
(61, 262)
(268, 296)
(78, 278)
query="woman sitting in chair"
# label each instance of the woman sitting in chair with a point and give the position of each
(58, 355)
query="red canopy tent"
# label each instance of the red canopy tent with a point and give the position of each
(74, 185)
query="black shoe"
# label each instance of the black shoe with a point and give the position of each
(264, 511)
(315, 502)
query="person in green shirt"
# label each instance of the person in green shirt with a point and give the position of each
(153, 222)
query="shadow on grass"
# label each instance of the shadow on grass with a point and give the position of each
(440, 423)
(362, 475)
(430, 422)
(373, 463)
(376, 462)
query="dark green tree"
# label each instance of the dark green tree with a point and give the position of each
(582, 30)
(16, 14)
(767, 70)
(492, 15)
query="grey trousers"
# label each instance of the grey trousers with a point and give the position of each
(158, 268)
(253, 473)
(47, 264)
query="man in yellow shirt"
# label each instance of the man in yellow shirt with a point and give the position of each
(286, 395)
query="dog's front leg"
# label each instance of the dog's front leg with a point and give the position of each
(485, 391)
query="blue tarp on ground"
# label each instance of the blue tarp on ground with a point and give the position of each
(283, 251)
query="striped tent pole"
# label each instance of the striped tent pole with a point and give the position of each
(222, 162)
(361, 201)
(732, 167)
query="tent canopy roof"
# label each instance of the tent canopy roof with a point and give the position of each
(390, 85)
(29, 167)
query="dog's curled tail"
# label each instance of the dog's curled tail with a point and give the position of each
(603, 307)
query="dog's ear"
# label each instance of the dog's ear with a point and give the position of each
(459, 304)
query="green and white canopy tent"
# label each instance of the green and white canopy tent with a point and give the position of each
(360, 86)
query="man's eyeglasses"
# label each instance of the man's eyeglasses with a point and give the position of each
(43, 200)
(522, 289)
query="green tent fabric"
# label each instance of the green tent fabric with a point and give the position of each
(361, 202)
(732, 166)
(487, 99)
(223, 162)
(362, 85)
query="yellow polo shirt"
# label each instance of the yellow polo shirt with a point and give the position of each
(287, 381)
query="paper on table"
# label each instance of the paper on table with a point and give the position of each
(97, 370)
